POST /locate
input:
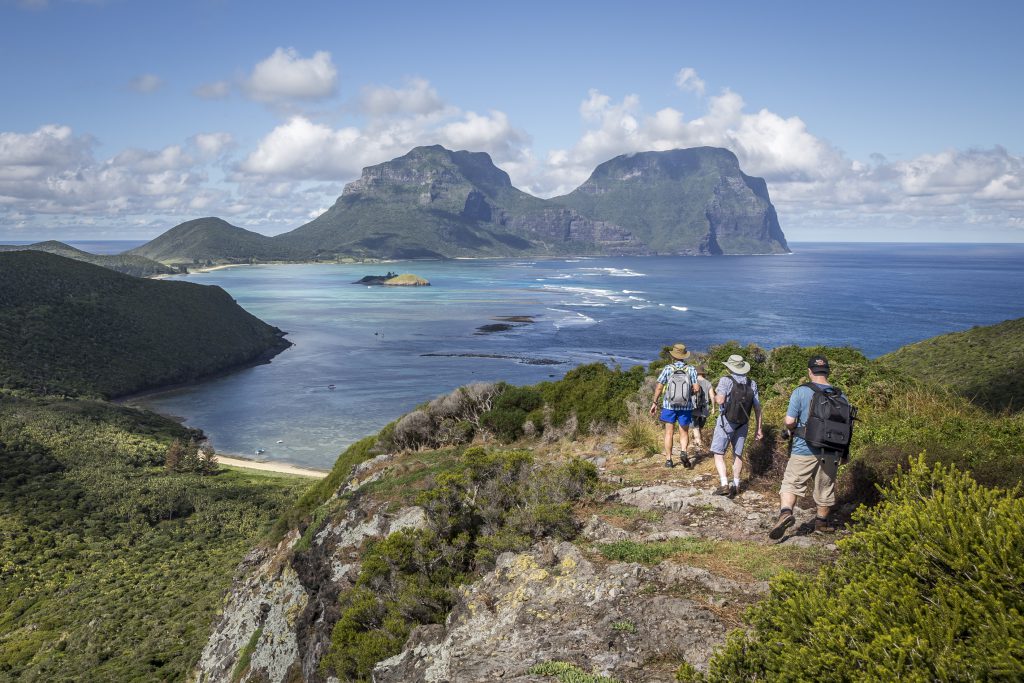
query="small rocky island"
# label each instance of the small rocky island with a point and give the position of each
(394, 280)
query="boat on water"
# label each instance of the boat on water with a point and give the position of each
(331, 387)
(260, 451)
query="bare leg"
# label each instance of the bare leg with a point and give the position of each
(787, 499)
(668, 440)
(684, 440)
(737, 467)
(823, 511)
(698, 439)
(720, 466)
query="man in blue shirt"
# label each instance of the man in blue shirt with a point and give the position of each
(671, 414)
(807, 463)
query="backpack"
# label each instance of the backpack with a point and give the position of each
(679, 388)
(741, 400)
(701, 402)
(829, 420)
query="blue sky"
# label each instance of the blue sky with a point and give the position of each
(870, 121)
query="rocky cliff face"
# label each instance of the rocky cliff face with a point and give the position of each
(683, 201)
(557, 602)
(433, 202)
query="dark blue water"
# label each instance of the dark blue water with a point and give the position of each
(389, 349)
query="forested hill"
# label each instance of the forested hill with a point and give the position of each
(985, 364)
(132, 264)
(68, 327)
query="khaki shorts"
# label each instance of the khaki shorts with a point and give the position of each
(800, 470)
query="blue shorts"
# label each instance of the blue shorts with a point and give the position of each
(670, 416)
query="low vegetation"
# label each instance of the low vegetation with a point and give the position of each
(112, 565)
(495, 501)
(927, 588)
(984, 364)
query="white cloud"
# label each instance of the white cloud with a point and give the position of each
(418, 97)
(285, 75)
(146, 83)
(212, 144)
(216, 90)
(301, 164)
(687, 79)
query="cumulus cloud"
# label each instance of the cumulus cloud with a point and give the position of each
(53, 171)
(687, 79)
(285, 75)
(146, 83)
(216, 90)
(302, 149)
(417, 97)
(212, 144)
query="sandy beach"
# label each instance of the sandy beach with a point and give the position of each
(279, 467)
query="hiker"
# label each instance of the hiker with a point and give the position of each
(703, 406)
(737, 396)
(821, 420)
(678, 383)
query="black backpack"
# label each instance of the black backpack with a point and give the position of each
(829, 420)
(701, 402)
(741, 399)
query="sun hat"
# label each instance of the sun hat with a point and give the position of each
(679, 352)
(818, 365)
(737, 364)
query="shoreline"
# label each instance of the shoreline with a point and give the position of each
(278, 467)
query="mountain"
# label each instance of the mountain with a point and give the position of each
(129, 264)
(985, 364)
(436, 203)
(72, 328)
(683, 201)
(212, 240)
(430, 203)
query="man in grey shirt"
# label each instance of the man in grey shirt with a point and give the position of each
(737, 397)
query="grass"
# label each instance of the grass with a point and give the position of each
(567, 673)
(735, 559)
(624, 626)
(632, 513)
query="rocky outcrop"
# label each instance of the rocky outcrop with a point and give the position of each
(557, 602)
(553, 604)
(277, 619)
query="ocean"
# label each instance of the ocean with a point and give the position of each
(386, 350)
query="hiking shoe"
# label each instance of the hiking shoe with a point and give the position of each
(733, 490)
(723, 490)
(823, 526)
(669, 463)
(687, 463)
(786, 520)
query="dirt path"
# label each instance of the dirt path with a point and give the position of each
(279, 467)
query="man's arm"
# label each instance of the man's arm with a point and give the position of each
(658, 388)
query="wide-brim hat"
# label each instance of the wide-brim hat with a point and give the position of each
(679, 352)
(737, 365)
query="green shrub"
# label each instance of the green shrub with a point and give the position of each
(927, 588)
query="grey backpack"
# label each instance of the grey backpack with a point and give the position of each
(679, 389)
